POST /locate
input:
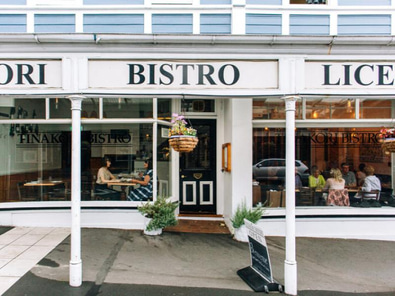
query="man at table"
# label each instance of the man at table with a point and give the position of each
(348, 176)
(104, 176)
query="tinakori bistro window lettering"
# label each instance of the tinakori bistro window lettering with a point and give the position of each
(186, 74)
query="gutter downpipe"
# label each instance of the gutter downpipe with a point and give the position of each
(75, 277)
(290, 265)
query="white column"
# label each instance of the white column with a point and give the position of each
(290, 267)
(75, 258)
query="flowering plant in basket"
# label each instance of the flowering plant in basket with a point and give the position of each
(179, 127)
(387, 134)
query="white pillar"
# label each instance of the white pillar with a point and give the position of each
(75, 258)
(290, 267)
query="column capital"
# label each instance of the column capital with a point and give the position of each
(76, 101)
(290, 102)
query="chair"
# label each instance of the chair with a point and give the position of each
(305, 197)
(24, 193)
(370, 195)
(338, 197)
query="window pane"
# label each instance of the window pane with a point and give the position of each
(12, 23)
(90, 108)
(197, 105)
(54, 23)
(172, 23)
(376, 109)
(114, 23)
(330, 109)
(127, 108)
(59, 108)
(273, 108)
(263, 24)
(163, 165)
(321, 148)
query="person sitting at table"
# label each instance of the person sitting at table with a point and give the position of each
(335, 181)
(348, 176)
(316, 180)
(371, 183)
(144, 192)
(104, 177)
(337, 196)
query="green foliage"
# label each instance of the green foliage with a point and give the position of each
(161, 213)
(242, 212)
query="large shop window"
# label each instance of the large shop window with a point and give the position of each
(37, 157)
(316, 148)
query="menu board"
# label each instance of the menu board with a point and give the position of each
(260, 259)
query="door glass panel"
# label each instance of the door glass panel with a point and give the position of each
(199, 157)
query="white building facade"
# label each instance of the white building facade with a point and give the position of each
(229, 68)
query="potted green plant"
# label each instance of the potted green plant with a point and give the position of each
(160, 214)
(242, 212)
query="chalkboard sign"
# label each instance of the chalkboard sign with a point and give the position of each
(260, 260)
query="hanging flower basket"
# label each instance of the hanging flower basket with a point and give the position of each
(183, 143)
(182, 138)
(388, 139)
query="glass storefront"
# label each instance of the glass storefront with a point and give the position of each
(37, 162)
(322, 148)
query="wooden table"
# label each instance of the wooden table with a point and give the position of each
(44, 184)
(123, 185)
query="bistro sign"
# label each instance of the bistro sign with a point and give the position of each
(30, 74)
(174, 74)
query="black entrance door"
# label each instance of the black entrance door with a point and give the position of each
(198, 171)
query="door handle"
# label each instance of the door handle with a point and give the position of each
(182, 176)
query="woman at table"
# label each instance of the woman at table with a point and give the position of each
(335, 181)
(316, 180)
(104, 177)
(144, 192)
(337, 195)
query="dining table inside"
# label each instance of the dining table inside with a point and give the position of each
(46, 188)
(124, 184)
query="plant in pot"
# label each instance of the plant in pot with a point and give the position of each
(242, 212)
(159, 214)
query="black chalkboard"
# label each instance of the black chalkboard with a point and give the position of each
(260, 260)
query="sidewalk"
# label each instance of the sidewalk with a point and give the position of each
(122, 262)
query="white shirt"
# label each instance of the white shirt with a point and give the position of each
(371, 183)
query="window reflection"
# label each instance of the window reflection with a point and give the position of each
(38, 166)
(316, 148)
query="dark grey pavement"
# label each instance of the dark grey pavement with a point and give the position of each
(122, 262)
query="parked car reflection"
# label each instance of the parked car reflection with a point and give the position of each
(273, 170)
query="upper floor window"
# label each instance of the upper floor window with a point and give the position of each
(307, 1)
(12, 23)
(113, 2)
(215, 23)
(114, 23)
(12, 2)
(54, 23)
(363, 2)
(263, 24)
(172, 23)
(264, 2)
(364, 24)
(309, 24)
(213, 2)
